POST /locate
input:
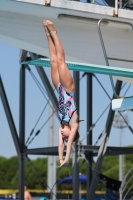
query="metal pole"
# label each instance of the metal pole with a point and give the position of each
(75, 156)
(119, 122)
(116, 7)
(9, 117)
(22, 126)
(103, 147)
(51, 159)
(120, 159)
(89, 124)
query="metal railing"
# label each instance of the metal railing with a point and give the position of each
(128, 177)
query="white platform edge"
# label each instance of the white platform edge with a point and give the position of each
(83, 7)
(39, 2)
(122, 104)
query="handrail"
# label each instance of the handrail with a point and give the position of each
(127, 192)
(122, 188)
(103, 46)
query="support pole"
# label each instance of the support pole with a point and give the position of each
(9, 117)
(51, 159)
(75, 156)
(103, 147)
(116, 7)
(120, 159)
(89, 124)
(22, 125)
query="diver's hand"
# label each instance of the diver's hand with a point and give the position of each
(64, 163)
(61, 161)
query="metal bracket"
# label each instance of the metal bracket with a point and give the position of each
(47, 2)
(115, 12)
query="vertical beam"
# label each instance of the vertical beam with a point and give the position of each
(51, 159)
(103, 147)
(51, 174)
(9, 117)
(120, 158)
(75, 156)
(54, 102)
(89, 124)
(23, 55)
(116, 7)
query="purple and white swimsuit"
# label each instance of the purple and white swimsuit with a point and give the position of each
(66, 104)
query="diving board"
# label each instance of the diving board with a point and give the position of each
(108, 70)
(119, 104)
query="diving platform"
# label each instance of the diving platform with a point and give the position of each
(119, 104)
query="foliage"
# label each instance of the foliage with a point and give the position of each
(8, 169)
(36, 172)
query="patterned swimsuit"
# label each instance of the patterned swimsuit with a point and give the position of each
(66, 105)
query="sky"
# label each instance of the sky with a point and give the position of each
(35, 102)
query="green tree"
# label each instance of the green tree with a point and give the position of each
(36, 172)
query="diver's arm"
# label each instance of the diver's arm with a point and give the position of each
(60, 147)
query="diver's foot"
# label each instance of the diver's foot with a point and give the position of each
(51, 28)
(45, 28)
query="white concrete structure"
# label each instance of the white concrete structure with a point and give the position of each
(76, 22)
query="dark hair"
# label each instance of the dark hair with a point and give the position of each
(76, 137)
(64, 123)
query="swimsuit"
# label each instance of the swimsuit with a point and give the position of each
(66, 104)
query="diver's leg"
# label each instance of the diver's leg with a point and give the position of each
(53, 56)
(64, 73)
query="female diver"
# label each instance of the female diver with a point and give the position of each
(64, 83)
